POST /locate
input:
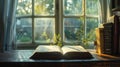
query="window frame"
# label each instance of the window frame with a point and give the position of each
(59, 16)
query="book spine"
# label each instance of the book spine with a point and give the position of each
(116, 35)
(99, 40)
(108, 38)
(119, 39)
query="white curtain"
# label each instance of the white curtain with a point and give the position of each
(106, 9)
(7, 22)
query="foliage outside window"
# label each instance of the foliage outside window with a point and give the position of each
(38, 21)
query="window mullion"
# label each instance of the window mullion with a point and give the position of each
(33, 40)
(84, 16)
(61, 20)
(57, 16)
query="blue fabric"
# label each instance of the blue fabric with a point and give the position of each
(1, 24)
(7, 15)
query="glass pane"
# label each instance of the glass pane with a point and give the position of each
(24, 7)
(44, 29)
(72, 7)
(44, 7)
(24, 30)
(91, 23)
(92, 7)
(73, 29)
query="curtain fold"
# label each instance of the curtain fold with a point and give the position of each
(8, 18)
(1, 25)
(10, 23)
(105, 10)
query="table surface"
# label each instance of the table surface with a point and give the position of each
(23, 56)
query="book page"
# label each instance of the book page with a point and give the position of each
(47, 52)
(68, 48)
(48, 48)
(75, 52)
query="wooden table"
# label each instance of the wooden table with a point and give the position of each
(20, 58)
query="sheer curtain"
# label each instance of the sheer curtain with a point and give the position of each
(7, 12)
(106, 9)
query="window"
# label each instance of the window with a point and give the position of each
(38, 21)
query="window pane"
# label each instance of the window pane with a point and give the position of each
(73, 29)
(72, 7)
(91, 23)
(44, 29)
(24, 30)
(44, 7)
(24, 7)
(92, 7)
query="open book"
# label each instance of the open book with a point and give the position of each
(55, 52)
